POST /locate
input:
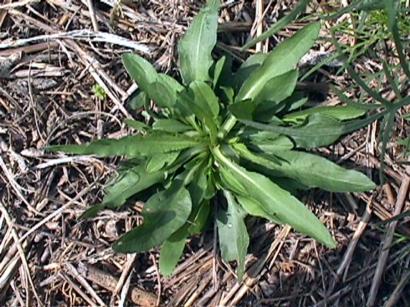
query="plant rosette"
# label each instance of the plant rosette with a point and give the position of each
(223, 145)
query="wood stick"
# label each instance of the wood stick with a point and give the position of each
(109, 282)
(384, 254)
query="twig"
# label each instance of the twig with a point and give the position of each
(92, 14)
(347, 258)
(77, 289)
(158, 275)
(366, 274)
(384, 254)
(3, 14)
(20, 251)
(124, 291)
(124, 275)
(65, 160)
(56, 213)
(81, 35)
(109, 282)
(8, 272)
(17, 4)
(395, 296)
(73, 272)
(16, 187)
(259, 22)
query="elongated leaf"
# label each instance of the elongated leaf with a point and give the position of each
(254, 208)
(265, 105)
(129, 183)
(222, 75)
(164, 213)
(170, 125)
(281, 60)
(137, 125)
(278, 88)
(200, 218)
(204, 106)
(337, 112)
(226, 94)
(171, 251)
(314, 171)
(244, 152)
(310, 170)
(198, 185)
(277, 202)
(315, 128)
(232, 233)
(131, 146)
(243, 109)
(266, 111)
(156, 162)
(205, 97)
(247, 68)
(140, 70)
(163, 96)
(264, 142)
(138, 100)
(319, 131)
(164, 91)
(196, 46)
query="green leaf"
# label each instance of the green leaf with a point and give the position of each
(243, 109)
(226, 94)
(171, 251)
(140, 70)
(156, 162)
(281, 60)
(314, 171)
(196, 46)
(277, 202)
(170, 125)
(319, 130)
(137, 125)
(205, 97)
(232, 233)
(266, 111)
(254, 208)
(247, 68)
(198, 185)
(278, 88)
(163, 96)
(199, 218)
(269, 142)
(131, 146)
(205, 106)
(222, 74)
(129, 183)
(337, 112)
(138, 101)
(164, 213)
(314, 133)
(244, 152)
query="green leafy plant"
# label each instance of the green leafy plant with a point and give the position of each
(222, 146)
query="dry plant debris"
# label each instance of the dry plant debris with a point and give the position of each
(52, 53)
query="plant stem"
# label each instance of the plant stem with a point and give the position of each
(219, 156)
(227, 126)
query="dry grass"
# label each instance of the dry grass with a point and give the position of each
(48, 257)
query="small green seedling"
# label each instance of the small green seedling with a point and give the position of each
(224, 145)
(99, 92)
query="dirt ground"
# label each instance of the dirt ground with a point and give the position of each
(61, 81)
